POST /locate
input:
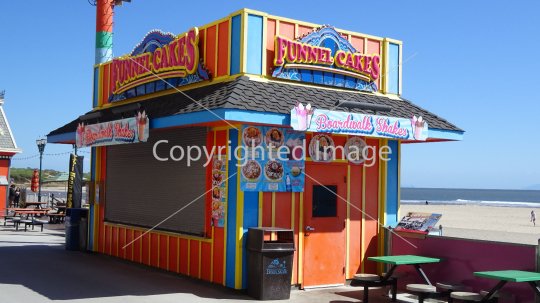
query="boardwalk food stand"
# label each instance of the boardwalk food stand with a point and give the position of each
(249, 87)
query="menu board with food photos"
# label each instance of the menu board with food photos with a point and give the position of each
(272, 159)
(219, 190)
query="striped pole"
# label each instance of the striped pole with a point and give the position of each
(104, 30)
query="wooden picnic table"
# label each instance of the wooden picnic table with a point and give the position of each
(36, 204)
(413, 260)
(505, 276)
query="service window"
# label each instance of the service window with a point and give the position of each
(143, 191)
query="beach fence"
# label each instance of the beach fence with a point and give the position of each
(462, 257)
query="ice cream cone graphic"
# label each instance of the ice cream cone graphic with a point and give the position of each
(80, 135)
(142, 121)
(418, 125)
(303, 116)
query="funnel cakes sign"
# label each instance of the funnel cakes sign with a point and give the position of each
(130, 130)
(305, 118)
(159, 56)
(325, 57)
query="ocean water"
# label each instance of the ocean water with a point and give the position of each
(487, 197)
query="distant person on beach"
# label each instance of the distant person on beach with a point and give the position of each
(533, 217)
(427, 203)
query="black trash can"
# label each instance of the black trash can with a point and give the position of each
(73, 227)
(270, 262)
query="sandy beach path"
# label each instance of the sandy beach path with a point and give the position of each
(506, 224)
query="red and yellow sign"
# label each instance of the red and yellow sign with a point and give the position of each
(295, 54)
(179, 58)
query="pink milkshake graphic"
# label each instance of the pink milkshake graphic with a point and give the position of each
(418, 125)
(303, 116)
(142, 121)
(80, 135)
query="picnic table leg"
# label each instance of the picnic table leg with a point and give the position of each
(535, 287)
(389, 274)
(366, 294)
(394, 290)
(422, 274)
(493, 291)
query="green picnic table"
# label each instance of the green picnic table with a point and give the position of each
(413, 260)
(505, 276)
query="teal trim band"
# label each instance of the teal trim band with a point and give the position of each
(434, 133)
(392, 184)
(104, 39)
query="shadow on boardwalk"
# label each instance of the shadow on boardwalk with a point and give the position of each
(35, 267)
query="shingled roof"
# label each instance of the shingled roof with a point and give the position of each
(7, 141)
(267, 96)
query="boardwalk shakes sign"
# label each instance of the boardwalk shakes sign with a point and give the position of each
(130, 130)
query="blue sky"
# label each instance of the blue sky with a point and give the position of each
(471, 62)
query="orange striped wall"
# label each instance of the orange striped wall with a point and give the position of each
(287, 215)
(204, 257)
(174, 252)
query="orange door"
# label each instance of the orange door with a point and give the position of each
(324, 224)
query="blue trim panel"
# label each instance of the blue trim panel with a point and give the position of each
(393, 68)
(230, 266)
(254, 44)
(93, 178)
(62, 138)
(96, 85)
(435, 133)
(251, 219)
(392, 184)
(258, 117)
(187, 119)
(236, 28)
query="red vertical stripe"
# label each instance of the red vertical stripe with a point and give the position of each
(130, 245)
(267, 209)
(211, 49)
(223, 49)
(373, 47)
(173, 254)
(154, 242)
(205, 260)
(202, 33)
(270, 36)
(286, 29)
(358, 43)
(372, 210)
(137, 255)
(355, 220)
(121, 242)
(145, 251)
(163, 250)
(218, 255)
(184, 256)
(283, 209)
(194, 259)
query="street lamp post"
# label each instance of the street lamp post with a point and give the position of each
(41, 147)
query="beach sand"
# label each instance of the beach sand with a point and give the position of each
(505, 224)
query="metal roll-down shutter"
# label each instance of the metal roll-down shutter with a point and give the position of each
(142, 191)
